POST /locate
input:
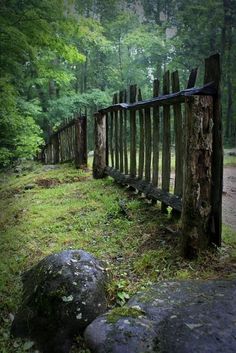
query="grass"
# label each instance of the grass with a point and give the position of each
(229, 160)
(65, 208)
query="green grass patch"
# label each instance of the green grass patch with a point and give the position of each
(66, 208)
(118, 313)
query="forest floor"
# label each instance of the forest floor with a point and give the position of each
(48, 209)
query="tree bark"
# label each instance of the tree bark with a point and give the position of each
(196, 211)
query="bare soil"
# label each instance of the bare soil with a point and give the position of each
(229, 197)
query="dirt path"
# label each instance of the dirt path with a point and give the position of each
(229, 197)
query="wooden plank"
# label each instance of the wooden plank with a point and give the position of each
(148, 143)
(213, 73)
(166, 157)
(99, 160)
(125, 137)
(107, 138)
(116, 134)
(196, 210)
(168, 99)
(141, 143)
(83, 142)
(147, 188)
(112, 138)
(178, 131)
(192, 79)
(156, 135)
(133, 95)
(121, 133)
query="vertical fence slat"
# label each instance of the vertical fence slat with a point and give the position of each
(133, 95)
(166, 156)
(213, 73)
(99, 160)
(121, 134)
(148, 143)
(116, 133)
(81, 142)
(107, 139)
(178, 129)
(125, 137)
(192, 78)
(111, 138)
(141, 143)
(156, 134)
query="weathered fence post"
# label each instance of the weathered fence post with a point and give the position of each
(213, 74)
(81, 141)
(99, 160)
(55, 144)
(196, 210)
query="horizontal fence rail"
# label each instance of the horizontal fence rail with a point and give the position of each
(168, 147)
(68, 143)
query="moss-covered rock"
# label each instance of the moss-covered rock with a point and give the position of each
(62, 294)
(173, 317)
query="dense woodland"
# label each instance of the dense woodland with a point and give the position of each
(60, 58)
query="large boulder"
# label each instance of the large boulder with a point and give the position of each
(62, 294)
(170, 317)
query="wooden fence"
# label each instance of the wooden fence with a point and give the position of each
(68, 143)
(146, 144)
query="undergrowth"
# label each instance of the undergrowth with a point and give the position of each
(46, 210)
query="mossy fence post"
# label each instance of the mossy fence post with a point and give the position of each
(203, 182)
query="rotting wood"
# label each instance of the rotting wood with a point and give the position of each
(146, 188)
(196, 211)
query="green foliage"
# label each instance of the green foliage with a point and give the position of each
(59, 58)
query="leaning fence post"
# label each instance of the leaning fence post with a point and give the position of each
(196, 209)
(99, 160)
(81, 141)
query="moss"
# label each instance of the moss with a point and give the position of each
(118, 313)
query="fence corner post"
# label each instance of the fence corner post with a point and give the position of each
(197, 193)
(81, 158)
(99, 160)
